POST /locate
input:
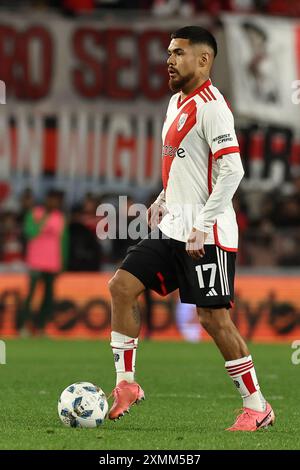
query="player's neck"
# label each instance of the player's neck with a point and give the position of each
(191, 87)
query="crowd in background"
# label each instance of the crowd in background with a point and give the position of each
(86, 252)
(185, 8)
(269, 226)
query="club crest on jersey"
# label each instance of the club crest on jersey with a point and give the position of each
(182, 121)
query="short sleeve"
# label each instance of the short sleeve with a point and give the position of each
(218, 129)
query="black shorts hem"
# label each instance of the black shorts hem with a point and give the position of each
(227, 303)
(216, 307)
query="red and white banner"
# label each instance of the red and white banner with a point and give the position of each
(54, 61)
(264, 60)
(85, 100)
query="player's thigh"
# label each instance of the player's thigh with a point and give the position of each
(151, 261)
(210, 280)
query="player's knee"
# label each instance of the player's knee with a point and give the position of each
(119, 288)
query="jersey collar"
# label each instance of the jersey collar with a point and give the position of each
(195, 92)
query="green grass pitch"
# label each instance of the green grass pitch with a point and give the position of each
(189, 398)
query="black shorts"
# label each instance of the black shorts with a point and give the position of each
(162, 264)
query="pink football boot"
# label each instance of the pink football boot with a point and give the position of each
(125, 395)
(251, 420)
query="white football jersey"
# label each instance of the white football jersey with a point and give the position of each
(197, 131)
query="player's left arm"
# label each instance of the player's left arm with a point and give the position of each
(218, 131)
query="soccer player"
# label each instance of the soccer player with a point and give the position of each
(195, 243)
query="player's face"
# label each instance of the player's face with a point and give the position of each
(182, 63)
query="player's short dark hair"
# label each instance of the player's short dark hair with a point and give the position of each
(196, 35)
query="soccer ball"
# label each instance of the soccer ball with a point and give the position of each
(82, 405)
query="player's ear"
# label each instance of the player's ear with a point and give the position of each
(204, 59)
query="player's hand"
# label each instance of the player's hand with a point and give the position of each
(195, 244)
(154, 215)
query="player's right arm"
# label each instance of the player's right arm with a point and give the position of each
(157, 210)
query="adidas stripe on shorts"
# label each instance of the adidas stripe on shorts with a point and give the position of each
(163, 265)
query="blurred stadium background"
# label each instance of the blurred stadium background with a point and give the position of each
(86, 93)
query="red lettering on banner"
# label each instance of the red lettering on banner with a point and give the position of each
(149, 69)
(50, 150)
(116, 63)
(81, 81)
(123, 144)
(15, 62)
(8, 39)
(26, 85)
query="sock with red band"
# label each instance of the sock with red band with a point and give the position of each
(124, 351)
(244, 377)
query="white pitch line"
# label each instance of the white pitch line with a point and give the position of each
(176, 395)
(204, 397)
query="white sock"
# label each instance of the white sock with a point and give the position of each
(124, 351)
(244, 377)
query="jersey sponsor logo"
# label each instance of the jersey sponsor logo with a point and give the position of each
(223, 138)
(182, 121)
(169, 150)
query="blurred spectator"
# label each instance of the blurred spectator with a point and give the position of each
(287, 213)
(46, 256)
(120, 244)
(288, 248)
(26, 203)
(11, 248)
(85, 249)
(88, 212)
(260, 245)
